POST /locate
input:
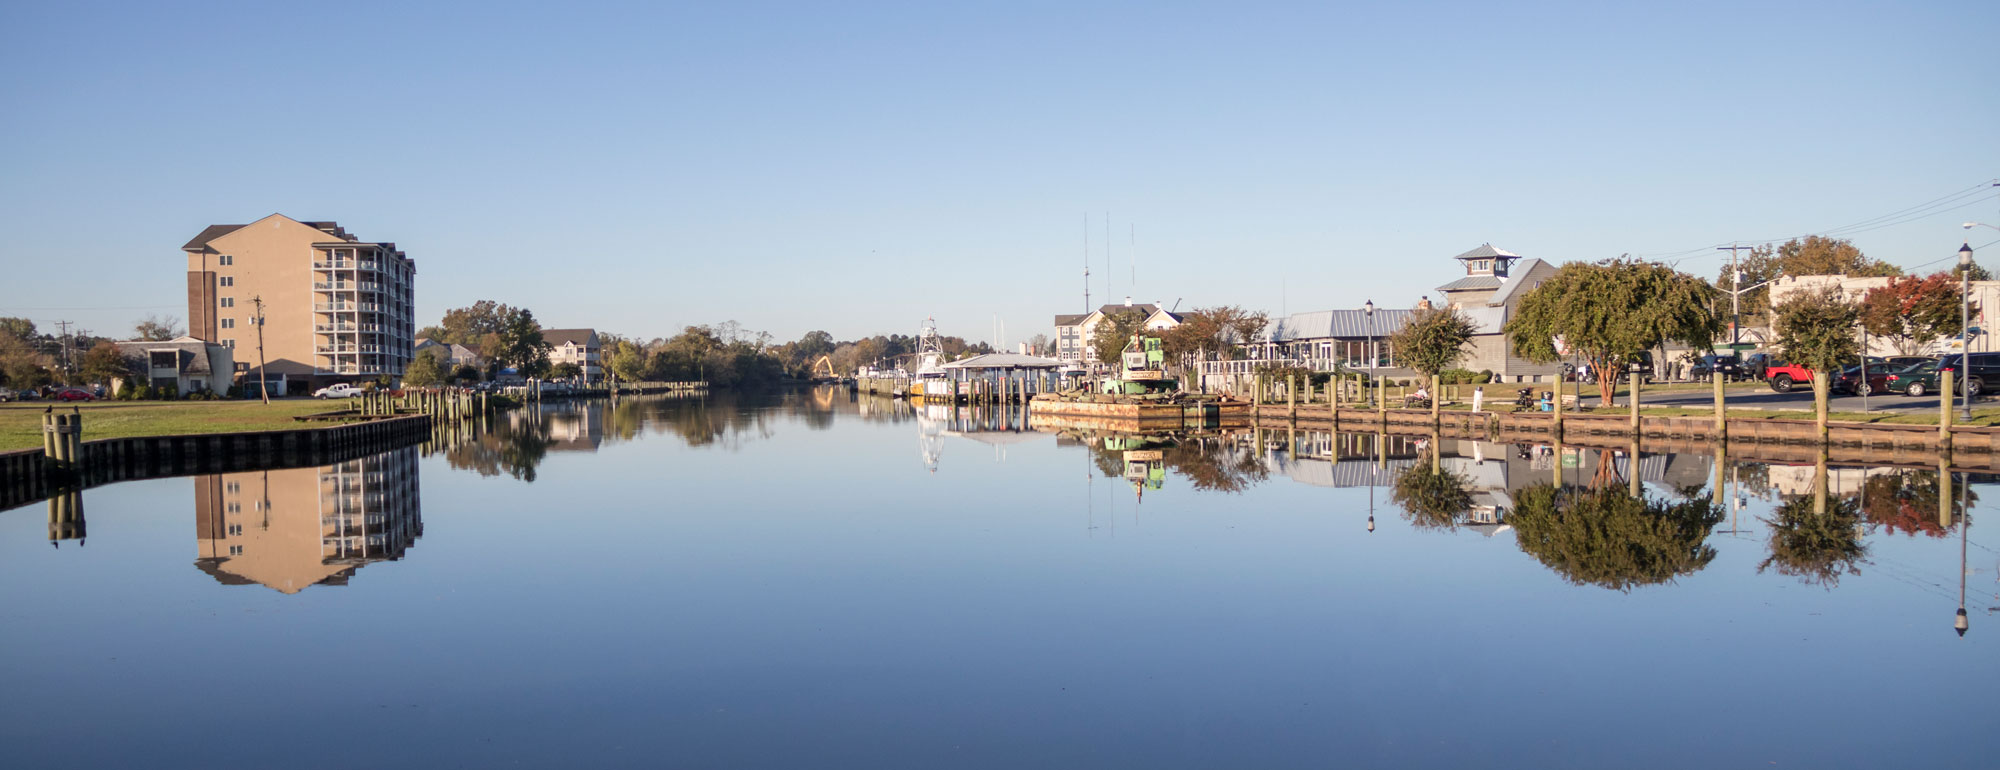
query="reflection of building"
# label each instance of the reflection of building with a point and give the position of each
(292, 528)
(574, 426)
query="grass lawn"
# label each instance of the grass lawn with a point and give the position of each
(21, 423)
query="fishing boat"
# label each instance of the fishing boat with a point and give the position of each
(931, 380)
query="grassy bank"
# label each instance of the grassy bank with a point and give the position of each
(21, 423)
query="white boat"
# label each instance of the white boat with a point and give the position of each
(932, 380)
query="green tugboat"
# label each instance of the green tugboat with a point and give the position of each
(1141, 395)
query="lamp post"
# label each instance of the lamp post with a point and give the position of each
(1965, 327)
(1368, 311)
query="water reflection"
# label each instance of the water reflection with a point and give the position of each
(298, 527)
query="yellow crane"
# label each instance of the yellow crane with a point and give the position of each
(822, 370)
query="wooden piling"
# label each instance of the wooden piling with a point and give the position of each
(1721, 414)
(1944, 409)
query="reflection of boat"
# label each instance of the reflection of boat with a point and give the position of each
(932, 381)
(930, 435)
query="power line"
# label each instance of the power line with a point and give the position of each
(1952, 201)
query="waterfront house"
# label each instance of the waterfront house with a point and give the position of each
(575, 346)
(450, 355)
(1489, 293)
(184, 364)
(1075, 332)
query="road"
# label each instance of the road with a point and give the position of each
(1762, 396)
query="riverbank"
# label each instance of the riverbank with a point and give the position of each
(21, 423)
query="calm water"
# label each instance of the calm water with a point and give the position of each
(815, 581)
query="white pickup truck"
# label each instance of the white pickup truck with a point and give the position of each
(342, 390)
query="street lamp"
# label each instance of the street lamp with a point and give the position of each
(1368, 310)
(1965, 327)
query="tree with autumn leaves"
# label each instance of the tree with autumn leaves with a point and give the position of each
(1913, 312)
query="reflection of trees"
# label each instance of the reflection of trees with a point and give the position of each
(1907, 501)
(1815, 547)
(1215, 465)
(1432, 498)
(1608, 537)
(511, 448)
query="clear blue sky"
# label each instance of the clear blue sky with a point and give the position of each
(856, 167)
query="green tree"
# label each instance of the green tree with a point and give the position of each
(1816, 330)
(472, 325)
(565, 370)
(627, 362)
(1816, 255)
(1606, 311)
(21, 328)
(1114, 333)
(21, 364)
(519, 344)
(424, 371)
(156, 329)
(465, 373)
(1609, 538)
(103, 363)
(1434, 340)
(1211, 333)
(1913, 312)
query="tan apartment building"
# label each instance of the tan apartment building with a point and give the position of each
(336, 309)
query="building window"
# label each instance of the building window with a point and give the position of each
(225, 260)
(228, 323)
(231, 344)
(227, 302)
(227, 280)
(236, 529)
(236, 550)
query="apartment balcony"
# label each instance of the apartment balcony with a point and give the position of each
(368, 286)
(327, 350)
(370, 348)
(333, 285)
(333, 328)
(333, 264)
(334, 307)
(339, 369)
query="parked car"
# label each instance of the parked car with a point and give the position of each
(1909, 361)
(1706, 366)
(74, 394)
(341, 390)
(6, 395)
(1916, 380)
(1983, 367)
(1755, 365)
(1849, 380)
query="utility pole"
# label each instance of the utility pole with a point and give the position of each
(63, 341)
(263, 388)
(1735, 297)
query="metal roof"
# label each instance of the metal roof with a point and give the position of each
(1473, 283)
(1337, 324)
(1523, 275)
(1004, 361)
(1070, 319)
(1486, 251)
